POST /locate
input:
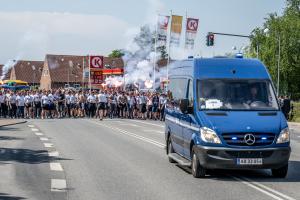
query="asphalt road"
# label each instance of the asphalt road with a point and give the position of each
(119, 159)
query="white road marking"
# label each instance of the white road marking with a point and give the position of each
(127, 124)
(44, 139)
(262, 188)
(162, 126)
(48, 145)
(53, 154)
(35, 130)
(255, 185)
(58, 185)
(154, 131)
(298, 136)
(257, 188)
(56, 166)
(132, 135)
(38, 134)
(133, 125)
(269, 189)
(31, 126)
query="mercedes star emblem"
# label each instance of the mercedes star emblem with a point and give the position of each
(249, 139)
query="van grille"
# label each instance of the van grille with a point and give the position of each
(237, 139)
(249, 154)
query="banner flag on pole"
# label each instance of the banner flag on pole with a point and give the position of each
(176, 26)
(191, 32)
(162, 30)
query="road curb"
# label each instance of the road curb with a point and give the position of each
(14, 123)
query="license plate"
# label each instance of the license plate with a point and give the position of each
(249, 161)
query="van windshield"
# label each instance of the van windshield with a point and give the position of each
(238, 94)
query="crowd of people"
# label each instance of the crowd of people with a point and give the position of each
(61, 103)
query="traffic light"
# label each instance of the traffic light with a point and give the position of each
(210, 38)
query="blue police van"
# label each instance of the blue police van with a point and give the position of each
(223, 113)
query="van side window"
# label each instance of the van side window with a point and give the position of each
(178, 90)
(191, 94)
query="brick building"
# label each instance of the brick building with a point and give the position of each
(29, 71)
(60, 70)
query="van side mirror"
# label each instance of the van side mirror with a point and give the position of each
(184, 105)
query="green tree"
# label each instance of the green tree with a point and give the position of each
(118, 53)
(283, 30)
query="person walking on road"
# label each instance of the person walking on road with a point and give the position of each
(102, 100)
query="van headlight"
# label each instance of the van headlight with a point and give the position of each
(209, 136)
(284, 136)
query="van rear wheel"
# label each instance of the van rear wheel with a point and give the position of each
(170, 150)
(280, 172)
(197, 170)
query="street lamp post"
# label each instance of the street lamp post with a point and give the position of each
(33, 68)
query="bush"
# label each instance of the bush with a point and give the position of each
(296, 112)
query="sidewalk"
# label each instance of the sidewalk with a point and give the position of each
(9, 122)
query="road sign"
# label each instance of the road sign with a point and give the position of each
(96, 77)
(96, 62)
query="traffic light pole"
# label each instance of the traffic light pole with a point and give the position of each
(235, 35)
(228, 34)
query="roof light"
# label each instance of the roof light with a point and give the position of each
(239, 55)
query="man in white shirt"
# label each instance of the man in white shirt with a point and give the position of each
(37, 104)
(45, 104)
(12, 104)
(20, 102)
(92, 104)
(102, 101)
(3, 107)
(28, 104)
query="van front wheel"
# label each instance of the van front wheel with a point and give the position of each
(197, 170)
(280, 172)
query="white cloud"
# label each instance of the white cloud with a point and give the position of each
(32, 34)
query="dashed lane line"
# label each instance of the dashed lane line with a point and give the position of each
(161, 145)
(48, 145)
(58, 185)
(53, 154)
(54, 166)
(44, 139)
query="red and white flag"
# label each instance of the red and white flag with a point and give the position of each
(162, 30)
(191, 32)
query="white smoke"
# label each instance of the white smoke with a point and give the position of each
(35, 39)
(8, 65)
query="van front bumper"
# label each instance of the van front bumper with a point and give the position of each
(226, 158)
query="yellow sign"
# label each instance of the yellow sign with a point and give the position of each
(176, 24)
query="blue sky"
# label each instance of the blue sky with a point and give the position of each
(32, 28)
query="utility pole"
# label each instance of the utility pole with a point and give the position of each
(169, 52)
